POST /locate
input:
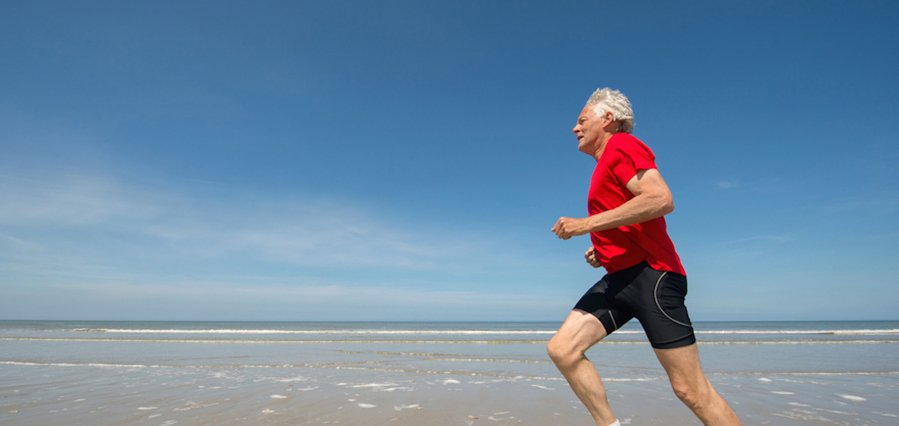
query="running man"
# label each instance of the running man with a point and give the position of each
(645, 280)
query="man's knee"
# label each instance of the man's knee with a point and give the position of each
(562, 353)
(578, 333)
(693, 395)
(554, 349)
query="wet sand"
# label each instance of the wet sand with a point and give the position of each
(66, 395)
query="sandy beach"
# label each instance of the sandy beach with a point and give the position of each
(168, 396)
(77, 376)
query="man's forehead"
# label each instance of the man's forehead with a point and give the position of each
(587, 111)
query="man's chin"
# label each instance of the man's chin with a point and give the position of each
(585, 148)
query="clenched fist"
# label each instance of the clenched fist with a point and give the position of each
(567, 227)
(590, 255)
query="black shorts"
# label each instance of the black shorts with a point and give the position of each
(656, 298)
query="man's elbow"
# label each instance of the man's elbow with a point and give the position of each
(669, 207)
(666, 204)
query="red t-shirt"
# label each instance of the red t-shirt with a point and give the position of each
(626, 246)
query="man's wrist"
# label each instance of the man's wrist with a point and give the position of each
(593, 223)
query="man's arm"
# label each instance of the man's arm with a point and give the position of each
(652, 199)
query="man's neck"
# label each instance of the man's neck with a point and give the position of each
(602, 146)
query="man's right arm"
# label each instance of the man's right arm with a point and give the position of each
(652, 199)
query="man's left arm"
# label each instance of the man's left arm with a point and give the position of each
(652, 199)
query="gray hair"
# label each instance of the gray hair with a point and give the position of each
(607, 100)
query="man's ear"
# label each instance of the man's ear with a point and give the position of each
(612, 125)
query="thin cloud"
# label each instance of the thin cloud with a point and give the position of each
(302, 293)
(68, 201)
(768, 238)
(884, 203)
(298, 301)
(18, 245)
(109, 222)
(882, 237)
(727, 184)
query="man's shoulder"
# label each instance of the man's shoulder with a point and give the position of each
(626, 143)
(623, 137)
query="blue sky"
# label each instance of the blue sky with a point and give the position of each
(401, 160)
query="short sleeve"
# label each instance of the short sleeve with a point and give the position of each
(630, 157)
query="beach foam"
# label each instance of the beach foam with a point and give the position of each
(853, 398)
(363, 332)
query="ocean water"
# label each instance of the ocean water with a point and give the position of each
(166, 373)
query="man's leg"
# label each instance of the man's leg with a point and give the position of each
(578, 333)
(693, 388)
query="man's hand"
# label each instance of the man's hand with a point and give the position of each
(567, 227)
(590, 255)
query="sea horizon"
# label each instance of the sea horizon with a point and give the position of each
(376, 321)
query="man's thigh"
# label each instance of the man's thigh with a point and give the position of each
(580, 331)
(682, 365)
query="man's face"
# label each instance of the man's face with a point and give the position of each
(590, 130)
